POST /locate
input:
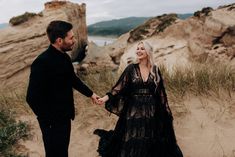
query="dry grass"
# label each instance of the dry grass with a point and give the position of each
(199, 79)
(213, 80)
(100, 81)
(15, 101)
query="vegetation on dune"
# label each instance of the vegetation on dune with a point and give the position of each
(23, 18)
(204, 11)
(196, 79)
(11, 130)
(100, 80)
(166, 20)
(10, 133)
(214, 80)
(199, 79)
(159, 24)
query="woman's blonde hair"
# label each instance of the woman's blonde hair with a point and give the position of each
(153, 66)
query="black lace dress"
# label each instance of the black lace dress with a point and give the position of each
(144, 127)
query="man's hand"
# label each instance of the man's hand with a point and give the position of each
(95, 98)
(103, 100)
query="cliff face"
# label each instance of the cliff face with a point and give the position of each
(208, 35)
(19, 45)
(75, 13)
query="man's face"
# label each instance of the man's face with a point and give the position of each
(68, 42)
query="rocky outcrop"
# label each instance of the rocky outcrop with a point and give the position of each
(152, 27)
(206, 36)
(96, 60)
(20, 44)
(54, 5)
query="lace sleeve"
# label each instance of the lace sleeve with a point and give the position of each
(119, 92)
(166, 118)
(163, 96)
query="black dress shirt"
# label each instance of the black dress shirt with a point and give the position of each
(51, 83)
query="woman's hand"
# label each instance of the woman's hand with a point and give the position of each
(103, 99)
(95, 98)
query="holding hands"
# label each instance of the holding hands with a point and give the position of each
(103, 99)
(97, 100)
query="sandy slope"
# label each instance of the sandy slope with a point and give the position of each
(208, 128)
(204, 127)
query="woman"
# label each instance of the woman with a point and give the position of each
(144, 127)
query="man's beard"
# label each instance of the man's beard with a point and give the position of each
(66, 47)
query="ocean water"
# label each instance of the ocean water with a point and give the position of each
(3, 25)
(100, 40)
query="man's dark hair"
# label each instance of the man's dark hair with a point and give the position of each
(58, 29)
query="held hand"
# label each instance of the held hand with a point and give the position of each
(103, 100)
(95, 98)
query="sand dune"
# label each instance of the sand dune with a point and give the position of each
(204, 127)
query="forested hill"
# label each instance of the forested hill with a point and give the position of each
(115, 27)
(120, 26)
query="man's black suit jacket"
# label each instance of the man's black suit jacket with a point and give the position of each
(51, 83)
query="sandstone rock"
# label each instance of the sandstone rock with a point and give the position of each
(183, 41)
(228, 38)
(19, 45)
(209, 36)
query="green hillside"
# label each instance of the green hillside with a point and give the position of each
(115, 27)
(120, 26)
(184, 16)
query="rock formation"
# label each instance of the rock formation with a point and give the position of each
(208, 35)
(20, 44)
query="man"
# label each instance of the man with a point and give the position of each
(50, 89)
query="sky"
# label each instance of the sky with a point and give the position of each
(101, 10)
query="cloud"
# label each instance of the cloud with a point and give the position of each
(107, 1)
(10, 8)
(112, 9)
(118, 9)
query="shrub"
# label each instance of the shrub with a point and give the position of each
(166, 20)
(22, 18)
(10, 133)
(204, 11)
(160, 23)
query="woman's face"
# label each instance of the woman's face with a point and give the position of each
(141, 52)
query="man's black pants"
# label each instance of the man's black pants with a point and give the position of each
(56, 136)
